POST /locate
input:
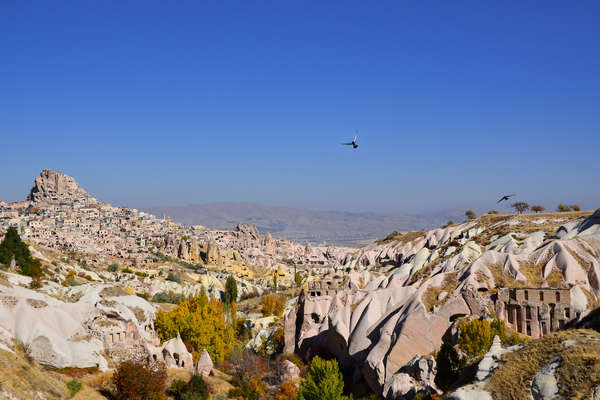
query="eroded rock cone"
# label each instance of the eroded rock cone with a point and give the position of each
(204, 364)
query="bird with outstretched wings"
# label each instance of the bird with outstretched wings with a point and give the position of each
(352, 143)
(506, 197)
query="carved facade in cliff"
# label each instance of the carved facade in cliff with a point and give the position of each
(535, 312)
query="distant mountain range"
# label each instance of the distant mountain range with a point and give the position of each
(304, 225)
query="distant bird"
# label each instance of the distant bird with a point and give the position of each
(352, 143)
(506, 197)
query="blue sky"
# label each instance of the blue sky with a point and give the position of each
(153, 102)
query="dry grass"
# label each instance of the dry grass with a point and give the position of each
(430, 297)
(4, 280)
(139, 314)
(578, 372)
(402, 238)
(27, 380)
(584, 264)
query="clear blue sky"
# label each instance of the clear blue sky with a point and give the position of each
(175, 102)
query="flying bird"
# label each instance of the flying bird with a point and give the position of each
(352, 143)
(506, 197)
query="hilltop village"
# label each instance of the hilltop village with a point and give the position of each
(104, 285)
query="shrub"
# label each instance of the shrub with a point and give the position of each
(127, 271)
(297, 278)
(492, 212)
(470, 214)
(194, 389)
(563, 208)
(323, 381)
(163, 297)
(520, 206)
(247, 376)
(476, 337)
(139, 380)
(12, 247)
(173, 277)
(74, 386)
(449, 366)
(575, 207)
(114, 267)
(449, 223)
(287, 391)
(538, 208)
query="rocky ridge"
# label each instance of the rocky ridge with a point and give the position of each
(421, 286)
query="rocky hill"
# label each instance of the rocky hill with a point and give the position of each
(56, 187)
(403, 298)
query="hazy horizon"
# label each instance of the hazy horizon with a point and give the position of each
(154, 104)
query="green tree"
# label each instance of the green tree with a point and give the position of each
(74, 386)
(231, 291)
(449, 366)
(298, 278)
(470, 214)
(275, 280)
(324, 381)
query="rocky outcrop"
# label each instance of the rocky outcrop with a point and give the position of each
(56, 187)
(204, 365)
(545, 385)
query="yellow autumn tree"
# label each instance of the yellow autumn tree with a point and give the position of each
(201, 324)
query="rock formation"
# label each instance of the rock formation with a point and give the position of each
(427, 282)
(56, 187)
(204, 364)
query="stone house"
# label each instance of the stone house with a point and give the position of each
(534, 312)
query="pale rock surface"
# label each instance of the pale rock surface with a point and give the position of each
(289, 371)
(544, 385)
(204, 364)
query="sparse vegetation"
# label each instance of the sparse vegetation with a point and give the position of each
(563, 208)
(430, 297)
(114, 267)
(470, 214)
(577, 374)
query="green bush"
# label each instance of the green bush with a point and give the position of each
(74, 385)
(114, 267)
(470, 214)
(195, 389)
(163, 297)
(323, 381)
(12, 247)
